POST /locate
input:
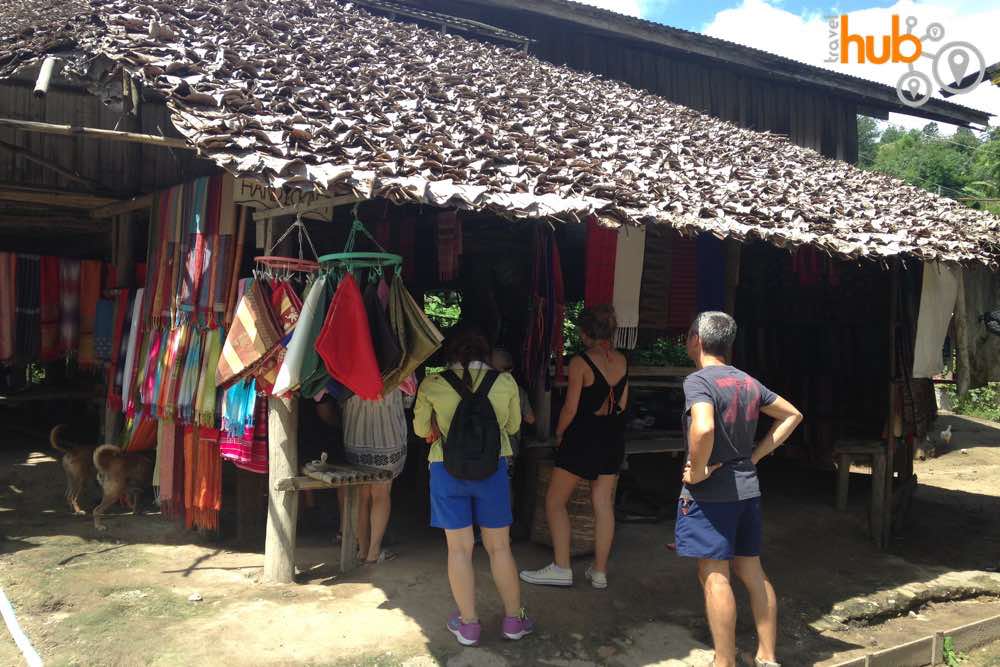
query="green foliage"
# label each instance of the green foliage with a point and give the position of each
(983, 403)
(951, 657)
(443, 308)
(868, 135)
(661, 352)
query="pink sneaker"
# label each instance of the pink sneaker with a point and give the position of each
(516, 627)
(467, 634)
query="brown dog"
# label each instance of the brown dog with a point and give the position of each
(122, 475)
(78, 462)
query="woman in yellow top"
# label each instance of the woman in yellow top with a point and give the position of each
(457, 504)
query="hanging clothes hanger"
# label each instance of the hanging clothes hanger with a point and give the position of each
(351, 260)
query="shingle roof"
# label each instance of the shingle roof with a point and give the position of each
(322, 95)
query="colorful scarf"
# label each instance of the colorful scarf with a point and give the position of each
(306, 329)
(49, 307)
(28, 314)
(170, 463)
(258, 439)
(207, 396)
(286, 306)
(8, 306)
(171, 370)
(69, 306)
(90, 294)
(188, 389)
(449, 244)
(253, 337)
(119, 349)
(602, 248)
(141, 434)
(132, 345)
(345, 343)
(104, 330)
(202, 478)
(628, 283)
(653, 301)
(239, 404)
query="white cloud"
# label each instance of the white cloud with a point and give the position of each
(627, 7)
(805, 38)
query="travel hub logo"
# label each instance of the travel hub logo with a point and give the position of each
(956, 67)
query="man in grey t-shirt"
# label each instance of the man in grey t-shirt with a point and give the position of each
(718, 514)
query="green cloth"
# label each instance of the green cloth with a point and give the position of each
(314, 375)
(418, 337)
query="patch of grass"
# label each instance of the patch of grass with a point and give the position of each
(120, 604)
(982, 403)
(951, 657)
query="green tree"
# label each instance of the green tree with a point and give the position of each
(868, 136)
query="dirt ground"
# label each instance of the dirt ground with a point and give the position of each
(122, 598)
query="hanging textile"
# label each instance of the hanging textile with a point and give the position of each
(653, 297)
(141, 435)
(171, 370)
(132, 345)
(190, 375)
(683, 299)
(28, 314)
(90, 294)
(545, 321)
(202, 478)
(711, 273)
(224, 266)
(286, 306)
(69, 306)
(314, 373)
(170, 461)
(253, 336)
(602, 249)
(979, 294)
(449, 244)
(938, 293)
(8, 306)
(49, 309)
(151, 364)
(418, 337)
(207, 397)
(104, 330)
(375, 432)
(258, 439)
(345, 342)
(307, 328)
(387, 351)
(628, 283)
(119, 349)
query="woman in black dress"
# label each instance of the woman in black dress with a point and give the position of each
(590, 445)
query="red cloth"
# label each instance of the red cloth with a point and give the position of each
(602, 248)
(51, 343)
(449, 244)
(345, 343)
(683, 284)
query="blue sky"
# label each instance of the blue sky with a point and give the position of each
(698, 14)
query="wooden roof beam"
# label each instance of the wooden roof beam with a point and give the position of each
(95, 133)
(58, 198)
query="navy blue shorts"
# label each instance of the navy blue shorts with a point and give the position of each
(460, 503)
(718, 531)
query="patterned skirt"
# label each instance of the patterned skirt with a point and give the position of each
(375, 432)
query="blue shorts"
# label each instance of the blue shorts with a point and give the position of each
(718, 531)
(460, 503)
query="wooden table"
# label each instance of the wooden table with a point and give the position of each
(871, 451)
(350, 477)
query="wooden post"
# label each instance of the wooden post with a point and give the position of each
(348, 526)
(879, 500)
(890, 465)
(282, 506)
(843, 481)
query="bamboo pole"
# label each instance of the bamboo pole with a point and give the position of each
(95, 133)
(120, 208)
(45, 76)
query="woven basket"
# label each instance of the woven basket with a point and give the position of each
(581, 514)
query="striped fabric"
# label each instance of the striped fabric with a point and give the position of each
(253, 336)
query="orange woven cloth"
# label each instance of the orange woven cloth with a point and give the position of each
(202, 478)
(90, 293)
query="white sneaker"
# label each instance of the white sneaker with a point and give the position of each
(550, 575)
(597, 579)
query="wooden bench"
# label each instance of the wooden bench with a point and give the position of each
(336, 476)
(873, 452)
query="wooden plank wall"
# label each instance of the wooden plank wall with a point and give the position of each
(810, 117)
(122, 169)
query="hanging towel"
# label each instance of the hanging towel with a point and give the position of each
(132, 345)
(253, 336)
(387, 351)
(90, 294)
(28, 283)
(289, 373)
(170, 457)
(449, 244)
(49, 307)
(142, 434)
(653, 297)
(682, 305)
(171, 370)
(937, 303)
(69, 306)
(104, 330)
(258, 439)
(8, 306)
(602, 249)
(628, 284)
(190, 375)
(207, 396)
(418, 337)
(151, 363)
(202, 478)
(286, 306)
(345, 343)
(711, 273)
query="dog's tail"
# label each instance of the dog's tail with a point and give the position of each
(103, 456)
(54, 438)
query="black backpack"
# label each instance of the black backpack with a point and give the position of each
(472, 448)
